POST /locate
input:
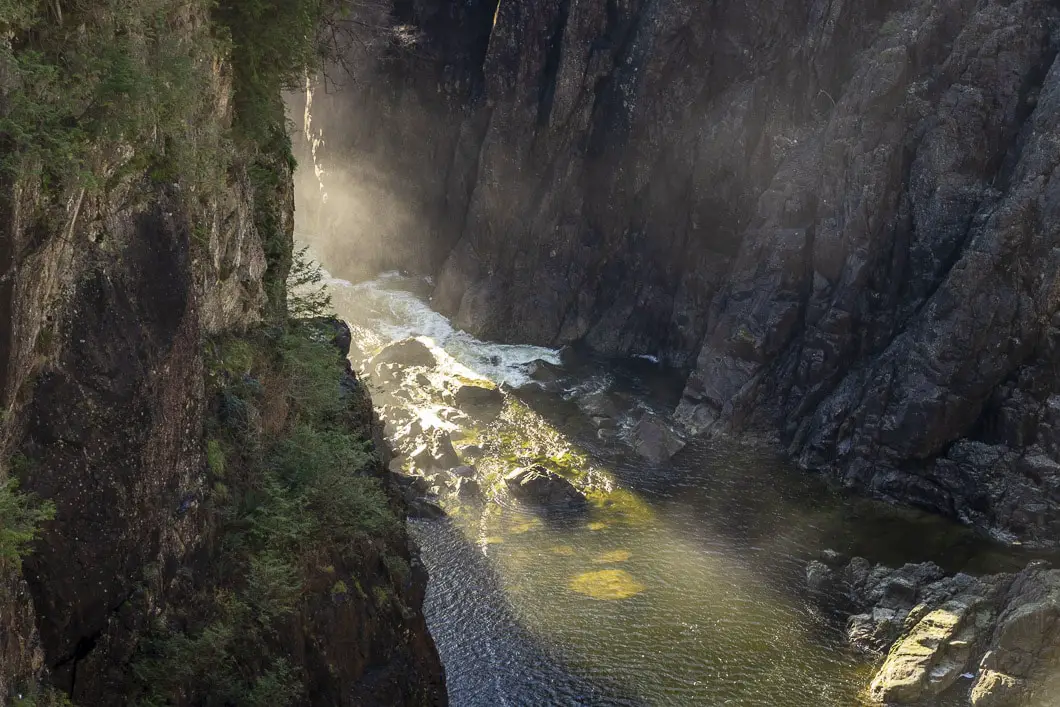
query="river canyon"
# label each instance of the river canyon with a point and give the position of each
(538, 352)
(771, 284)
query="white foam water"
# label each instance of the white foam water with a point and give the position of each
(387, 309)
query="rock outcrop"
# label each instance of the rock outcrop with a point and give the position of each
(543, 487)
(839, 217)
(991, 639)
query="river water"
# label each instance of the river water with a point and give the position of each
(684, 584)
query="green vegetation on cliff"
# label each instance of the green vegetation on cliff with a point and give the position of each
(297, 504)
(20, 518)
(81, 81)
(92, 93)
(152, 121)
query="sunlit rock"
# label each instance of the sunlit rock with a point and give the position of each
(607, 584)
(435, 453)
(930, 657)
(996, 689)
(536, 484)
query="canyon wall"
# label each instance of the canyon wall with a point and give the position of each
(109, 293)
(840, 218)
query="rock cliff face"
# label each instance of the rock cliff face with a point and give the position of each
(106, 296)
(839, 217)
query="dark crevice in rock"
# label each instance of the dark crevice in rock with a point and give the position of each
(547, 90)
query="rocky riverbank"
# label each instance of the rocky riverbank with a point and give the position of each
(992, 640)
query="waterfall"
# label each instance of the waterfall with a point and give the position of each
(315, 140)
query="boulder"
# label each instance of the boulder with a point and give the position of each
(598, 405)
(996, 689)
(471, 452)
(544, 376)
(540, 486)
(544, 372)
(654, 440)
(408, 352)
(468, 490)
(940, 628)
(1025, 647)
(435, 453)
(464, 472)
(423, 508)
(876, 631)
(479, 401)
(820, 578)
(928, 659)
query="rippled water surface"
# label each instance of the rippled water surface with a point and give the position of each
(682, 585)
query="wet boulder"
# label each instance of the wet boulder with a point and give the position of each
(545, 376)
(654, 440)
(821, 579)
(1024, 650)
(408, 352)
(875, 631)
(482, 402)
(468, 490)
(471, 452)
(425, 508)
(598, 405)
(436, 452)
(540, 486)
(463, 472)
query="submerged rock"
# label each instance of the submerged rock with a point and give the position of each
(607, 584)
(654, 440)
(537, 485)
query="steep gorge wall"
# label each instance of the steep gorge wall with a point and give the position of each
(107, 295)
(840, 217)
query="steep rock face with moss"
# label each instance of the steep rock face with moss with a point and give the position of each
(114, 268)
(838, 217)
